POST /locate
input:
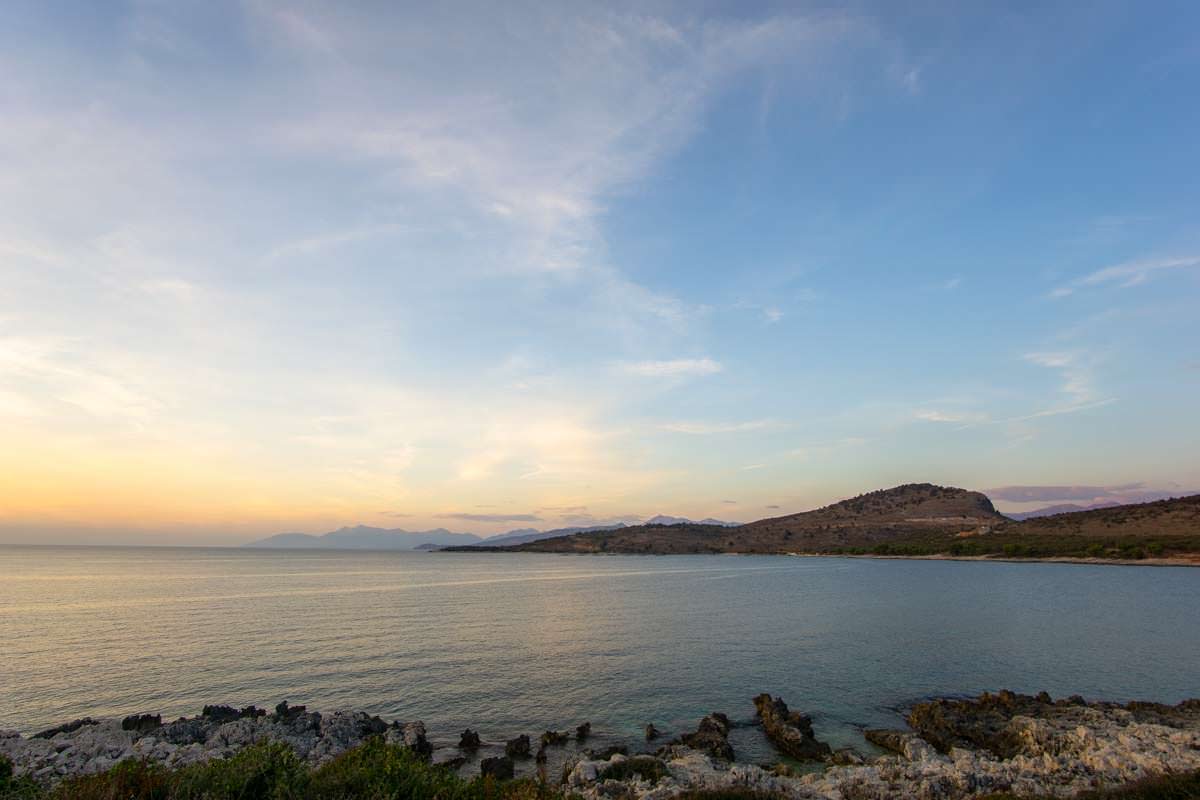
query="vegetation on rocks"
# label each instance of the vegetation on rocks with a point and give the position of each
(374, 770)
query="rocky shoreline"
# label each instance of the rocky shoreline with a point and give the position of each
(953, 748)
(1184, 560)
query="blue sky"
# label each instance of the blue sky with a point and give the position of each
(276, 265)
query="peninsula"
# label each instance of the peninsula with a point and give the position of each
(915, 520)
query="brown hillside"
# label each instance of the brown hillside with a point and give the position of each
(1176, 517)
(916, 519)
(859, 522)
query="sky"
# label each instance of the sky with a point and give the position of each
(272, 265)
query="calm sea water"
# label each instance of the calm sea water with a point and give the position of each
(520, 643)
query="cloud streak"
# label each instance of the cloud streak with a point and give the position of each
(709, 428)
(471, 517)
(1120, 493)
(1127, 274)
(673, 368)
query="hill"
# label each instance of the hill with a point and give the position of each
(861, 520)
(914, 520)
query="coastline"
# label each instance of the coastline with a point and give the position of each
(1190, 560)
(1186, 561)
(953, 748)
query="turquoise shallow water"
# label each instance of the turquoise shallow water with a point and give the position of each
(520, 643)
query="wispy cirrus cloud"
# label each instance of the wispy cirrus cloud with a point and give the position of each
(1137, 492)
(1130, 273)
(672, 368)
(707, 428)
(471, 517)
(1076, 372)
(1076, 393)
(936, 415)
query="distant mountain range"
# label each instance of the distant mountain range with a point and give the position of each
(364, 537)
(1062, 508)
(663, 519)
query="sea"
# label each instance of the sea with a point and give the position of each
(521, 643)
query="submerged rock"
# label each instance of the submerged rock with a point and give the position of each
(550, 738)
(583, 731)
(790, 731)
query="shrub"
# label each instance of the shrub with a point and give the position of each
(376, 770)
(645, 767)
(12, 788)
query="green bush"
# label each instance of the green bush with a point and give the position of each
(376, 770)
(270, 771)
(644, 767)
(12, 788)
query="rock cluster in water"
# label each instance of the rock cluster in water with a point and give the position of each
(955, 748)
(790, 731)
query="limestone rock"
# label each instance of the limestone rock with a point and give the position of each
(790, 731)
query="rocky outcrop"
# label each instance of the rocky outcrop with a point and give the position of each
(88, 746)
(518, 747)
(711, 737)
(229, 713)
(583, 731)
(141, 723)
(68, 727)
(469, 740)
(1014, 744)
(906, 743)
(412, 736)
(997, 722)
(1064, 748)
(790, 731)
